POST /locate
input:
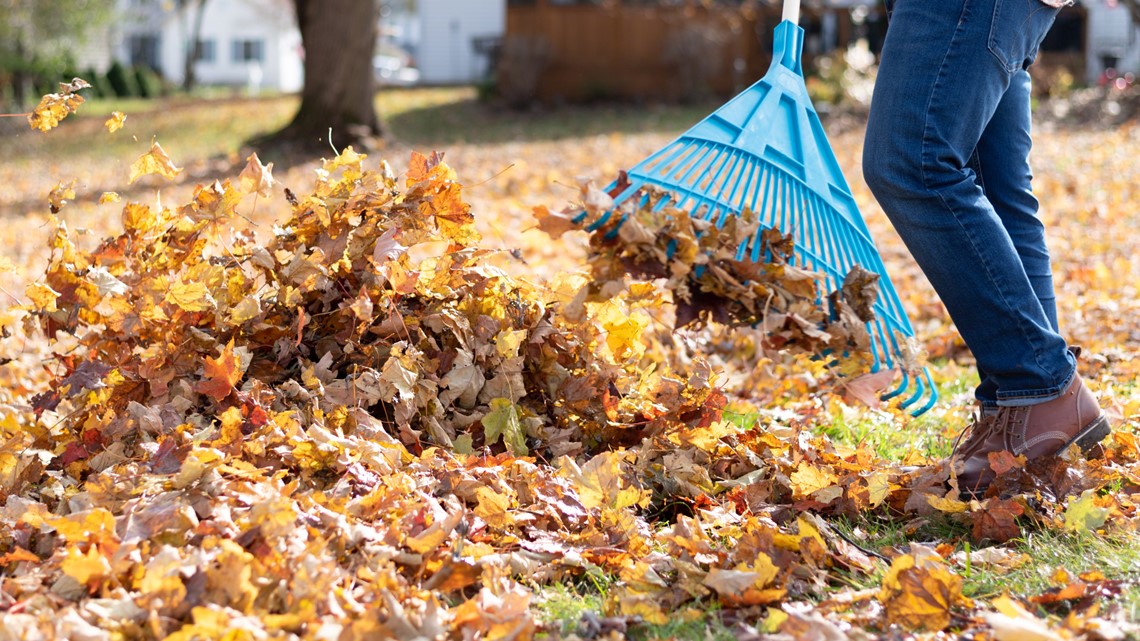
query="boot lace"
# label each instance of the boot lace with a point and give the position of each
(974, 435)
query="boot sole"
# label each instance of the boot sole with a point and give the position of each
(1090, 438)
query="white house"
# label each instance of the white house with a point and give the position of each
(454, 35)
(1112, 39)
(252, 43)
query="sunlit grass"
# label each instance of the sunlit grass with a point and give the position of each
(1116, 556)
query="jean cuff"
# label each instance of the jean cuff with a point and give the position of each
(1035, 397)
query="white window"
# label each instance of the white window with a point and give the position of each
(206, 51)
(248, 51)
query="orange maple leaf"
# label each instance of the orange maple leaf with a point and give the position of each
(221, 374)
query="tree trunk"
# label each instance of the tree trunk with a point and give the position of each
(339, 37)
(194, 50)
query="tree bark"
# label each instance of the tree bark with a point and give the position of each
(339, 37)
(194, 50)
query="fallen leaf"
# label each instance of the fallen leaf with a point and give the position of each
(1084, 514)
(919, 592)
(221, 374)
(996, 520)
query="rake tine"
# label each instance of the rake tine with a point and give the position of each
(920, 388)
(903, 385)
(685, 184)
(933, 394)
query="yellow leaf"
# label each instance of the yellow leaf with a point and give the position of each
(600, 482)
(115, 122)
(948, 504)
(154, 161)
(60, 196)
(878, 486)
(430, 538)
(763, 567)
(645, 605)
(54, 107)
(91, 526)
(773, 621)
(507, 342)
(192, 297)
(256, 177)
(808, 479)
(43, 297)
(85, 567)
(1012, 622)
(623, 331)
(109, 197)
(246, 309)
(493, 507)
(228, 578)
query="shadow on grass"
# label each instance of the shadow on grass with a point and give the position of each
(470, 121)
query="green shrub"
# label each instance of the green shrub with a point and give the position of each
(122, 82)
(100, 88)
(149, 82)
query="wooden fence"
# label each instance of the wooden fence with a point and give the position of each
(580, 52)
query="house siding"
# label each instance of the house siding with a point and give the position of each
(1112, 34)
(445, 54)
(225, 22)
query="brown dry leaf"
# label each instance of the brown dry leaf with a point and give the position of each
(1002, 462)
(554, 223)
(996, 520)
(868, 388)
(919, 592)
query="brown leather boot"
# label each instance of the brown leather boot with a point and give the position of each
(1034, 430)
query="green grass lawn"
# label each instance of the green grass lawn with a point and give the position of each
(440, 117)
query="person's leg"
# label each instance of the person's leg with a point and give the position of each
(1001, 166)
(946, 68)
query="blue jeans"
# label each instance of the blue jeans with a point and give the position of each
(947, 157)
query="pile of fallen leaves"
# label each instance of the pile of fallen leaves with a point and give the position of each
(729, 272)
(359, 430)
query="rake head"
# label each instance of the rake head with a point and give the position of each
(766, 151)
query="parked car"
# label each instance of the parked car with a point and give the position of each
(393, 71)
